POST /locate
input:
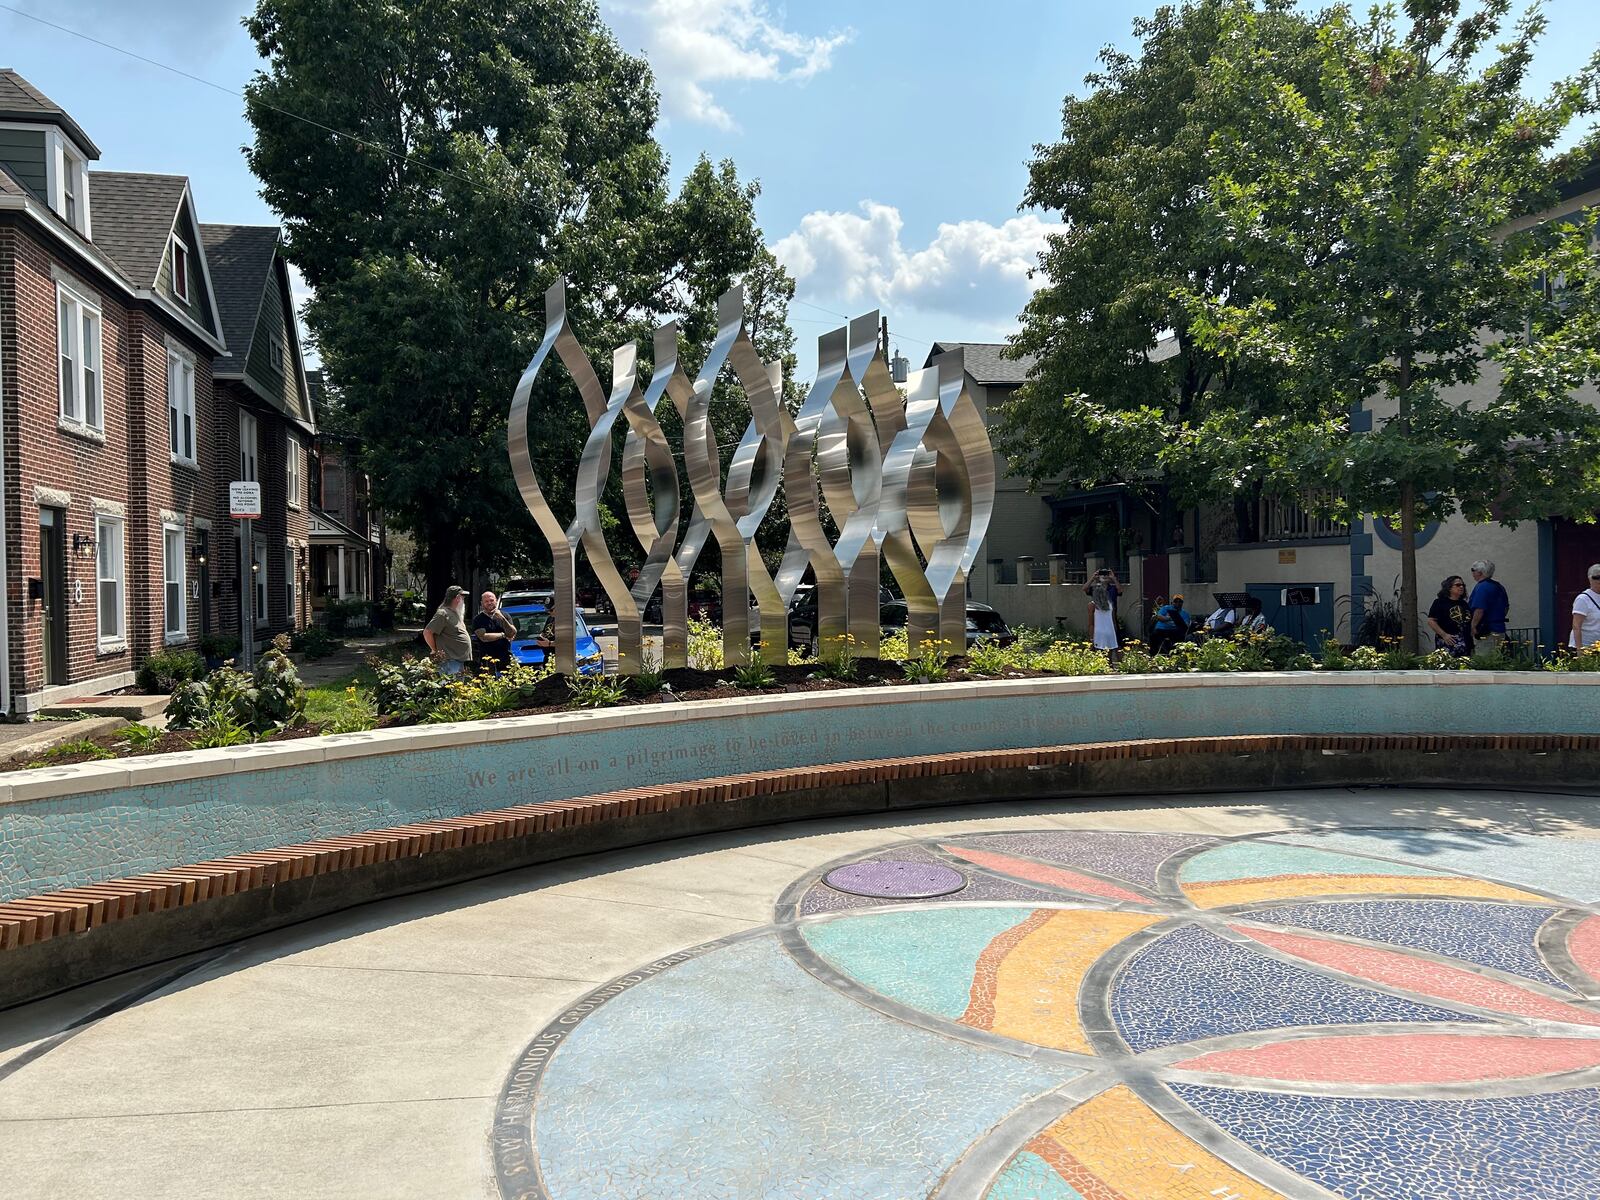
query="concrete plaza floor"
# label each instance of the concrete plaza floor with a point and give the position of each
(369, 1053)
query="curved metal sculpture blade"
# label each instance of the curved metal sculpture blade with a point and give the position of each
(801, 490)
(648, 460)
(594, 467)
(909, 472)
(558, 338)
(754, 475)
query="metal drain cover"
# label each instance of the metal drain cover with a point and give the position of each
(896, 878)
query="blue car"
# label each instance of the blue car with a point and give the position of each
(531, 621)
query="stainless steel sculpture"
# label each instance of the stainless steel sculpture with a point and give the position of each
(907, 477)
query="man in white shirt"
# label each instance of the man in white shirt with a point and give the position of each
(1586, 613)
(1221, 622)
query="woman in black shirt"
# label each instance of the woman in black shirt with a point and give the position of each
(1450, 618)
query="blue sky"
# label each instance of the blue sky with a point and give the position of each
(891, 139)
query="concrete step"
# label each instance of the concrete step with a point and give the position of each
(131, 708)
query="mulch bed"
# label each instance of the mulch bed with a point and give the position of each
(687, 685)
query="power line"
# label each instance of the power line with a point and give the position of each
(228, 91)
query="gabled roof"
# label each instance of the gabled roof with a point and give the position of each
(240, 257)
(133, 217)
(984, 363)
(21, 101)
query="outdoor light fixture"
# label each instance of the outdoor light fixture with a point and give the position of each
(82, 544)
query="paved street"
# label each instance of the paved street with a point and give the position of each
(957, 1003)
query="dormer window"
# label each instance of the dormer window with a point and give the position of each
(180, 269)
(275, 352)
(67, 181)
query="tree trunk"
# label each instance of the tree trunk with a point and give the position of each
(440, 557)
(1408, 568)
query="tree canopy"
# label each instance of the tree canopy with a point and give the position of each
(1335, 219)
(436, 165)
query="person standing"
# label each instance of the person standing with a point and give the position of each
(1102, 591)
(1586, 614)
(1451, 619)
(446, 633)
(492, 634)
(1490, 605)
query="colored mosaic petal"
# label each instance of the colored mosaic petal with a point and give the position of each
(1502, 936)
(1191, 984)
(1413, 1058)
(1557, 865)
(1114, 1146)
(1021, 868)
(1027, 987)
(1437, 980)
(1136, 857)
(925, 958)
(1583, 944)
(1540, 1147)
(723, 1075)
(1248, 872)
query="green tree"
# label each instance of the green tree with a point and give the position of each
(482, 147)
(1384, 217)
(1121, 370)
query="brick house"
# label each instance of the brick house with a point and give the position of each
(349, 540)
(108, 327)
(265, 430)
(116, 446)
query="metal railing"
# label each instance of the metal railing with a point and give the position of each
(1284, 520)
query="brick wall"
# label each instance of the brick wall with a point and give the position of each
(127, 473)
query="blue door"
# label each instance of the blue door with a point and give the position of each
(1305, 623)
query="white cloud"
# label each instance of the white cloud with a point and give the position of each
(695, 44)
(970, 269)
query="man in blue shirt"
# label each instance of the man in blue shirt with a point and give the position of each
(1490, 606)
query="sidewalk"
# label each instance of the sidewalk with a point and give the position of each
(357, 648)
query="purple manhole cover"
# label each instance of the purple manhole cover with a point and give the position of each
(894, 877)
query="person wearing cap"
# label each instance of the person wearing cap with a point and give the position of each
(446, 634)
(1586, 614)
(1171, 625)
(1489, 604)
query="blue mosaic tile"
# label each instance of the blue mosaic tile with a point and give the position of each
(737, 1074)
(1191, 984)
(1561, 866)
(1262, 860)
(1136, 857)
(1501, 936)
(1544, 1147)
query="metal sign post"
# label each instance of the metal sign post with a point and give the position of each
(244, 506)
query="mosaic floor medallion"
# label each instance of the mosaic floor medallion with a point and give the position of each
(1385, 1014)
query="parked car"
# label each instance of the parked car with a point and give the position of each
(533, 621)
(983, 623)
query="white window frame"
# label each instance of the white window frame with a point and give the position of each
(183, 430)
(180, 278)
(117, 576)
(290, 582)
(249, 448)
(66, 172)
(77, 315)
(174, 574)
(260, 582)
(292, 452)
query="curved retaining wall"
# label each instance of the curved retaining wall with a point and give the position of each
(70, 826)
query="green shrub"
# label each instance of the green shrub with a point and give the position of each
(219, 646)
(930, 664)
(895, 647)
(314, 641)
(140, 737)
(1587, 659)
(166, 670)
(596, 691)
(837, 660)
(705, 645)
(270, 698)
(80, 748)
(343, 615)
(409, 689)
(1069, 658)
(986, 658)
(650, 677)
(756, 674)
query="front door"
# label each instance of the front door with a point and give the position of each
(53, 576)
(205, 582)
(1577, 548)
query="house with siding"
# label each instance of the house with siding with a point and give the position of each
(265, 428)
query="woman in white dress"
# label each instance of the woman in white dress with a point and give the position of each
(1102, 591)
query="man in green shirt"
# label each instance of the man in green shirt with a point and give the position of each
(446, 634)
